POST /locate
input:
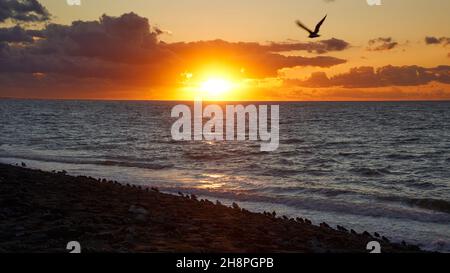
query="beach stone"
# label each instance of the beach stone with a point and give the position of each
(138, 210)
(131, 235)
(140, 213)
(20, 234)
(19, 228)
(235, 206)
(38, 237)
(141, 218)
(107, 235)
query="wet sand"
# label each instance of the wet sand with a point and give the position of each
(43, 211)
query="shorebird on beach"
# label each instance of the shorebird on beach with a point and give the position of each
(315, 33)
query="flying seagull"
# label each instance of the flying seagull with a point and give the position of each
(315, 33)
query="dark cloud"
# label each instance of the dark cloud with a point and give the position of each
(18, 35)
(127, 39)
(122, 49)
(369, 77)
(23, 11)
(321, 47)
(382, 44)
(430, 40)
(335, 44)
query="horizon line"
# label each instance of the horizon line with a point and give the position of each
(217, 101)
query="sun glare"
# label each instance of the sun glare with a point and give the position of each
(218, 86)
(215, 87)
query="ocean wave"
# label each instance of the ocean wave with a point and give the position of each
(286, 162)
(280, 172)
(403, 140)
(142, 165)
(201, 156)
(83, 161)
(421, 185)
(323, 160)
(308, 202)
(329, 192)
(305, 151)
(401, 156)
(432, 204)
(258, 152)
(421, 128)
(289, 172)
(343, 142)
(292, 141)
(425, 203)
(436, 205)
(288, 153)
(370, 172)
(352, 154)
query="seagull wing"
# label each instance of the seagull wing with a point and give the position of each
(303, 26)
(320, 24)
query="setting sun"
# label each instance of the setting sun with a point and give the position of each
(216, 87)
(212, 88)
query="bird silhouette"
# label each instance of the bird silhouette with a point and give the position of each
(315, 33)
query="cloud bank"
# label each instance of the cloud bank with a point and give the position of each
(369, 77)
(430, 40)
(23, 11)
(382, 44)
(127, 50)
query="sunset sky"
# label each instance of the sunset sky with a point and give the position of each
(225, 50)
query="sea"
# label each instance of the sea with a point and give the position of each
(369, 166)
